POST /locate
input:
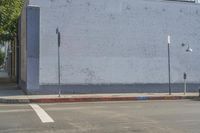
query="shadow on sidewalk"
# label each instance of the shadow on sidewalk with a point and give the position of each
(9, 88)
(196, 99)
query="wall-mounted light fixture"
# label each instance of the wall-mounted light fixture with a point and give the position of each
(189, 49)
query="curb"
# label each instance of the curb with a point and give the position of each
(99, 99)
(14, 101)
(94, 99)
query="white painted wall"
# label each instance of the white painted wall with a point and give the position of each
(118, 41)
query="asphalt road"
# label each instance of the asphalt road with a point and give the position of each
(102, 117)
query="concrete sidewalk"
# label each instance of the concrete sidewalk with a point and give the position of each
(10, 93)
(21, 98)
(3, 74)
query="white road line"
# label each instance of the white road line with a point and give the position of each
(44, 117)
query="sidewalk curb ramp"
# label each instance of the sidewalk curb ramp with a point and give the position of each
(93, 99)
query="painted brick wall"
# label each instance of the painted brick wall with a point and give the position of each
(118, 41)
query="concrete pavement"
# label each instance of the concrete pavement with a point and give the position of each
(180, 116)
(3, 74)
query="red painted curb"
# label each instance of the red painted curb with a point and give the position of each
(83, 99)
(96, 99)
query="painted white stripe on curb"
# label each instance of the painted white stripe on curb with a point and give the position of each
(44, 117)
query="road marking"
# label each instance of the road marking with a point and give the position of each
(44, 117)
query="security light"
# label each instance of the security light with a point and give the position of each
(189, 49)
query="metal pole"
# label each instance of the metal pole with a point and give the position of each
(185, 86)
(59, 88)
(169, 71)
(185, 83)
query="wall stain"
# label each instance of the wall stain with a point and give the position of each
(112, 16)
(163, 10)
(90, 75)
(88, 3)
(69, 1)
(128, 8)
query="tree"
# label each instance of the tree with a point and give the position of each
(9, 13)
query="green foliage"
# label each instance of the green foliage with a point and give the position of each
(2, 55)
(9, 13)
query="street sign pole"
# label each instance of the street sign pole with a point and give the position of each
(59, 87)
(169, 71)
(185, 83)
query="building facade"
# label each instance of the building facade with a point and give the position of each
(108, 46)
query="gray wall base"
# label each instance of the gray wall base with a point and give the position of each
(92, 89)
(22, 85)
